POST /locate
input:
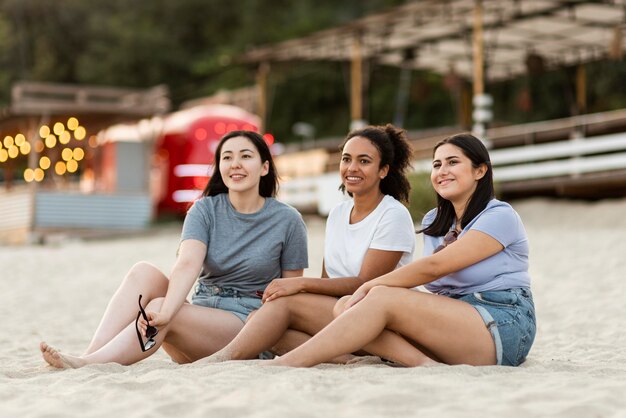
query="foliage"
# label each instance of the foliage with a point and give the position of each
(423, 197)
(192, 45)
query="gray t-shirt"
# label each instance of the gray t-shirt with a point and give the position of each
(246, 251)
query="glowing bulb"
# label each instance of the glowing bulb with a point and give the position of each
(66, 154)
(4, 155)
(39, 174)
(44, 163)
(51, 141)
(80, 133)
(19, 140)
(59, 128)
(60, 168)
(72, 123)
(93, 141)
(13, 151)
(44, 131)
(72, 166)
(29, 175)
(25, 148)
(8, 141)
(65, 137)
(39, 146)
(79, 154)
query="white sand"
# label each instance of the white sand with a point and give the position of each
(577, 367)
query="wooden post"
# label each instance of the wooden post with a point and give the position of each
(356, 84)
(581, 88)
(482, 104)
(478, 49)
(261, 81)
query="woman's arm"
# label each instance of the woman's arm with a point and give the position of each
(292, 273)
(184, 274)
(375, 263)
(471, 248)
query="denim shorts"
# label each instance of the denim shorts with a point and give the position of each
(510, 317)
(238, 303)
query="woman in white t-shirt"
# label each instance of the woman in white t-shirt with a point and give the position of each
(367, 236)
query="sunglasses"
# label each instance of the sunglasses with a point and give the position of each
(448, 239)
(151, 331)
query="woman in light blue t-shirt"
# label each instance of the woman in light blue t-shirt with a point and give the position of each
(475, 262)
(236, 239)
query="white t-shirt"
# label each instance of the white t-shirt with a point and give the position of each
(389, 227)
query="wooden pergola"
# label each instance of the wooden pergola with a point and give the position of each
(477, 40)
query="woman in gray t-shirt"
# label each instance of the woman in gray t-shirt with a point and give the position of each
(236, 239)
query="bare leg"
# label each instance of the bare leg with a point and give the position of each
(450, 329)
(304, 312)
(292, 339)
(143, 278)
(195, 332)
(392, 346)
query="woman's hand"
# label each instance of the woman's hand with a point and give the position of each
(357, 296)
(282, 287)
(157, 319)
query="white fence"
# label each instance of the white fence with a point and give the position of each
(572, 157)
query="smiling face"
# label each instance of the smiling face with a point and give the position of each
(241, 166)
(360, 167)
(453, 176)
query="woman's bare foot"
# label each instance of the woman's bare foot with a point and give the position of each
(61, 361)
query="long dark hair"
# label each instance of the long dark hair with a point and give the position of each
(395, 151)
(475, 150)
(269, 182)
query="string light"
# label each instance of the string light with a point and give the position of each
(60, 168)
(8, 141)
(20, 140)
(79, 154)
(39, 174)
(72, 166)
(39, 146)
(80, 133)
(4, 155)
(65, 137)
(44, 131)
(66, 154)
(59, 128)
(44, 163)
(13, 151)
(25, 148)
(72, 123)
(29, 175)
(51, 141)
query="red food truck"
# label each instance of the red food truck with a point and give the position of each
(185, 151)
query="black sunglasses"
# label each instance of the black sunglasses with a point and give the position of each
(151, 331)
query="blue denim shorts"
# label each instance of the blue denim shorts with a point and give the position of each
(510, 317)
(227, 299)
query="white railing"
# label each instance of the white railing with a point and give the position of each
(571, 157)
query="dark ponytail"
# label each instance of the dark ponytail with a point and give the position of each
(395, 151)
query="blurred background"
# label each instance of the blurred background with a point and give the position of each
(110, 111)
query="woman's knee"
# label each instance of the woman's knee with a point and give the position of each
(381, 295)
(339, 306)
(145, 273)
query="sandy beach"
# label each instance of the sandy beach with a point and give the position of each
(577, 367)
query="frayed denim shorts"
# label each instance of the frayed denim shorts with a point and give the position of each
(510, 317)
(238, 303)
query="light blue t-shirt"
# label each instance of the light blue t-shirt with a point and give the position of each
(246, 251)
(504, 270)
